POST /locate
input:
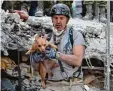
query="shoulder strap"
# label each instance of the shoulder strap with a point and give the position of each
(71, 35)
(71, 40)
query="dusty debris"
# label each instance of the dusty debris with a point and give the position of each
(89, 79)
(19, 36)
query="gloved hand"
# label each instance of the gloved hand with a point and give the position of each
(50, 53)
(37, 57)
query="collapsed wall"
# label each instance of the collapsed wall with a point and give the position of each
(18, 35)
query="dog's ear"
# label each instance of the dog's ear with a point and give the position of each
(44, 36)
(36, 36)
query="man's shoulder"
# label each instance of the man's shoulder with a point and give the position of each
(74, 29)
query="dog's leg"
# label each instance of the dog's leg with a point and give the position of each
(32, 49)
(43, 72)
(48, 67)
(28, 52)
(52, 64)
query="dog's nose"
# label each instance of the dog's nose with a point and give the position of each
(42, 51)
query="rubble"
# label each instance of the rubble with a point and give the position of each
(18, 35)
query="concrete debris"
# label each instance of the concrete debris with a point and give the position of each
(89, 79)
(93, 79)
(18, 35)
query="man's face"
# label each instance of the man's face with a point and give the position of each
(60, 22)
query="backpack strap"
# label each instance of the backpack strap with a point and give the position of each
(71, 40)
(71, 35)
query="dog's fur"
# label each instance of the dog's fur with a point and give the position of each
(45, 66)
(40, 44)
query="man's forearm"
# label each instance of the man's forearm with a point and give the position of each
(71, 59)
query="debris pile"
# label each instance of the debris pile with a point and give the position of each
(18, 35)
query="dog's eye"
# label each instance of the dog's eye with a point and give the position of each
(44, 44)
(39, 45)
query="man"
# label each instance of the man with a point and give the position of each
(69, 55)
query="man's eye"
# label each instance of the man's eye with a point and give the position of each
(61, 18)
(55, 18)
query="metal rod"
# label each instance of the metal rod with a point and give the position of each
(107, 66)
(19, 73)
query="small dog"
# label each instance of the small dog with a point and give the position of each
(40, 44)
(45, 66)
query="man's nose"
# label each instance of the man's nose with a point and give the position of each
(58, 20)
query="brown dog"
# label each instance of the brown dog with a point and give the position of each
(40, 44)
(45, 66)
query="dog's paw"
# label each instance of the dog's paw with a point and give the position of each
(53, 46)
(27, 53)
(43, 85)
(55, 65)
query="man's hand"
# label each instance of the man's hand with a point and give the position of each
(37, 57)
(50, 53)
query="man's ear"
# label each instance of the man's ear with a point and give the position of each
(67, 20)
(52, 20)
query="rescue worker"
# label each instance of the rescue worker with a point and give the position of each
(68, 75)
